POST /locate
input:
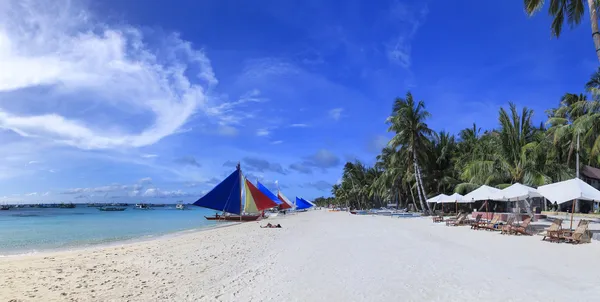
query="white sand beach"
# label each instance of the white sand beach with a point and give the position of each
(316, 256)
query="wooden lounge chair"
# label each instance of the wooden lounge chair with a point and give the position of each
(553, 232)
(491, 225)
(580, 235)
(458, 221)
(522, 228)
(506, 229)
(477, 221)
(438, 218)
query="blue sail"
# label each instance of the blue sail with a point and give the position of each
(302, 204)
(226, 196)
(267, 192)
(311, 204)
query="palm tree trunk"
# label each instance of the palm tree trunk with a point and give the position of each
(594, 21)
(418, 178)
(423, 189)
(413, 199)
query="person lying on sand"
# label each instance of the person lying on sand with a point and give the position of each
(269, 225)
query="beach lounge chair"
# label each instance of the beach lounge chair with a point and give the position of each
(491, 225)
(553, 232)
(459, 221)
(580, 235)
(506, 229)
(477, 221)
(522, 228)
(438, 218)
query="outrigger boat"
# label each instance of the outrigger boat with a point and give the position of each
(227, 197)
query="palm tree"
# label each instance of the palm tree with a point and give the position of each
(411, 133)
(573, 10)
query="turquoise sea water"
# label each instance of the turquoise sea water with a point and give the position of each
(26, 230)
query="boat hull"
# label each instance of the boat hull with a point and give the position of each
(233, 217)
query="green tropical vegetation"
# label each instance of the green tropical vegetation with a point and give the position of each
(419, 162)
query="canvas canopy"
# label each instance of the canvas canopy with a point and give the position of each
(437, 199)
(482, 193)
(568, 190)
(517, 192)
(457, 198)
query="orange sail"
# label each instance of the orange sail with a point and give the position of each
(261, 200)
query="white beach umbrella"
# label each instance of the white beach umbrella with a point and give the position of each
(482, 193)
(459, 198)
(561, 192)
(455, 199)
(517, 192)
(437, 199)
(572, 189)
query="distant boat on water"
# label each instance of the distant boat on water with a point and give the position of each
(4, 208)
(112, 209)
(142, 206)
(180, 206)
(227, 198)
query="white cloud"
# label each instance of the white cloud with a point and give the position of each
(31, 194)
(156, 192)
(64, 49)
(145, 180)
(149, 155)
(336, 113)
(276, 142)
(298, 125)
(226, 130)
(46, 194)
(405, 19)
(103, 189)
(33, 162)
(263, 132)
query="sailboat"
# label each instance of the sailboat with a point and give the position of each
(286, 204)
(227, 197)
(303, 205)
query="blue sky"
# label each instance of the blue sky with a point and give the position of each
(154, 100)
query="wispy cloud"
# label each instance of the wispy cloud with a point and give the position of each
(158, 193)
(320, 185)
(188, 160)
(276, 142)
(145, 181)
(263, 132)
(33, 162)
(60, 47)
(336, 113)
(149, 155)
(322, 159)
(405, 19)
(261, 165)
(299, 125)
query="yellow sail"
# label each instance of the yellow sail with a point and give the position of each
(250, 206)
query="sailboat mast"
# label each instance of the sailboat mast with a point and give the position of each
(241, 188)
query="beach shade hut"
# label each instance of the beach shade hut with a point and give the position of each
(455, 199)
(569, 190)
(484, 192)
(436, 199)
(517, 192)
